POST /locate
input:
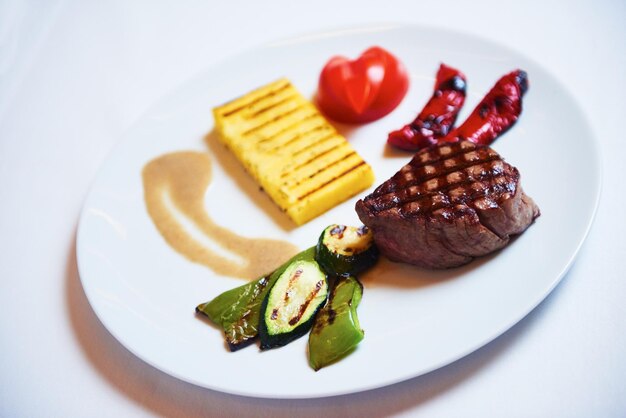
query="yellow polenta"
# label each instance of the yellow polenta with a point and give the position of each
(296, 156)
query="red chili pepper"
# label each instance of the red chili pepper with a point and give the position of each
(437, 117)
(496, 113)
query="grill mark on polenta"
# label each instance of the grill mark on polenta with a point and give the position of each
(312, 160)
(321, 186)
(288, 128)
(314, 144)
(321, 155)
(272, 93)
(274, 119)
(322, 169)
(272, 106)
(299, 135)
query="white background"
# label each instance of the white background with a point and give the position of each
(75, 75)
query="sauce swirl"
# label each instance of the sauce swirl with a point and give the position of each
(177, 182)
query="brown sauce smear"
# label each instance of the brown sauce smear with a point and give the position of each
(183, 177)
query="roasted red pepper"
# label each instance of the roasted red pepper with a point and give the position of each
(496, 113)
(437, 117)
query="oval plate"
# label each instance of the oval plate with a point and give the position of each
(415, 320)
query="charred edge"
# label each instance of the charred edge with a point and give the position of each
(332, 314)
(239, 344)
(415, 125)
(483, 110)
(456, 83)
(338, 231)
(306, 303)
(272, 93)
(521, 78)
(262, 284)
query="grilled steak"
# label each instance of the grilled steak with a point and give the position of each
(451, 203)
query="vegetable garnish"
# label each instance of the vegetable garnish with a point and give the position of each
(284, 305)
(346, 250)
(238, 310)
(437, 117)
(289, 309)
(496, 113)
(337, 331)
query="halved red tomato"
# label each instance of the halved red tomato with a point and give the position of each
(362, 90)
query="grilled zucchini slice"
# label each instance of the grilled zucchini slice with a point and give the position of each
(289, 308)
(346, 250)
(238, 310)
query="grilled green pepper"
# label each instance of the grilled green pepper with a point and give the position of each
(290, 306)
(336, 331)
(238, 310)
(346, 250)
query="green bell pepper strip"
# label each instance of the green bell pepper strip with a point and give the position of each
(238, 310)
(336, 331)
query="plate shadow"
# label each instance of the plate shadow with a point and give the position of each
(245, 182)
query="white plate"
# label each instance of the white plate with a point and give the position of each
(415, 320)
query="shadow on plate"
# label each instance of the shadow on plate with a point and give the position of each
(245, 182)
(387, 273)
(393, 152)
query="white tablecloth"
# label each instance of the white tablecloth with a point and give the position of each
(74, 75)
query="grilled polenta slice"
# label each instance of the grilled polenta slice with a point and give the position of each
(290, 149)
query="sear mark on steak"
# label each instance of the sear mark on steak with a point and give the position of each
(451, 203)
